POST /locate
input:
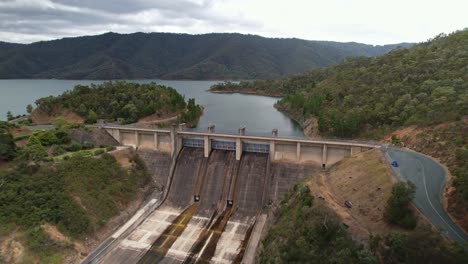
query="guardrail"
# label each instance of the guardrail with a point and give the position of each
(354, 143)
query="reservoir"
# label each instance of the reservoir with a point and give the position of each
(227, 111)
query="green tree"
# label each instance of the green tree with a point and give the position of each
(92, 117)
(29, 108)
(60, 123)
(7, 146)
(397, 210)
(33, 140)
(9, 116)
(33, 152)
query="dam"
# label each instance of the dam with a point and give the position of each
(216, 190)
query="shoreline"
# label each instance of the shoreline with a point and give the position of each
(248, 92)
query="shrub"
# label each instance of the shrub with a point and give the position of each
(7, 146)
(110, 148)
(58, 150)
(91, 118)
(34, 152)
(47, 138)
(33, 140)
(83, 153)
(99, 152)
(87, 145)
(397, 210)
(75, 146)
(62, 137)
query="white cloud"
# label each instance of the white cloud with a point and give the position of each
(368, 21)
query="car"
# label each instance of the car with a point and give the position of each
(395, 164)
(348, 204)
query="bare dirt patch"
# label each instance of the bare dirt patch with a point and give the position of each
(365, 180)
(11, 249)
(123, 155)
(54, 233)
(157, 118)
(408, 132)
(40, 117)
(20, 131)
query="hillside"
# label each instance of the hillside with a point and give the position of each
(174, 56)
(425, 84)
(113, 100)
(312, 225)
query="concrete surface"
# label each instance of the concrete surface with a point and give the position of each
(429, 178)
(250, 253)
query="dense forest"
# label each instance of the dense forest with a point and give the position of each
(425, 84)
(130, 101)
(174, 56)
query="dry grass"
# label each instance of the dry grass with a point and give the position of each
(366, 181)
(38, 117)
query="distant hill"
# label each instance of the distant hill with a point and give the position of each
(426, 84)
(174, 56)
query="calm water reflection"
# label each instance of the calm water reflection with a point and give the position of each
(227, 111)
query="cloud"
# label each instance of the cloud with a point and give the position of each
(33, 20)
(367, 21)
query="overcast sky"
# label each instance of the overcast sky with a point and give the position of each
(366, 21)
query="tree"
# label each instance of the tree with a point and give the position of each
(29, 108)
(9, 116)
(7, 146)
(397, 210)
(60, 123)
(32, 153)
(92, 117)
(33, 140)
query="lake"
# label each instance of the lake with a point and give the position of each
(227, 111)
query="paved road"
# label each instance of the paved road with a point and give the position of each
(429, 178)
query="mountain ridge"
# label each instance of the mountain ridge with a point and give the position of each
(175, 56)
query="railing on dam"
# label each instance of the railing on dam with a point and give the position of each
(223, 145)
(322, 151)
(193, 142)
(255, 147)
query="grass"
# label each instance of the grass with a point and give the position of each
(80, 153)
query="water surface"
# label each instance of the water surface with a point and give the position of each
(227, 111)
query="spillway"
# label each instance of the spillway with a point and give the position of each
(210, 209)
(212, 194)
(175, 212)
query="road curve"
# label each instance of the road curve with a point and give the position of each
(429, 178)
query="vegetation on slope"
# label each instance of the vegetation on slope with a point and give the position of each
(425, 84)
(174, 56)
(398, 210)
(7, 142)
(77, 195)
(112, 100)
(305, 231)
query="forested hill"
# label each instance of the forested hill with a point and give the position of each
(174, 56)
(425, 84)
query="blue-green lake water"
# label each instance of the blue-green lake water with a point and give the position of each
(227, 111)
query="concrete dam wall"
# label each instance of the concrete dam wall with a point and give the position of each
(214, 192)
(207, 215)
